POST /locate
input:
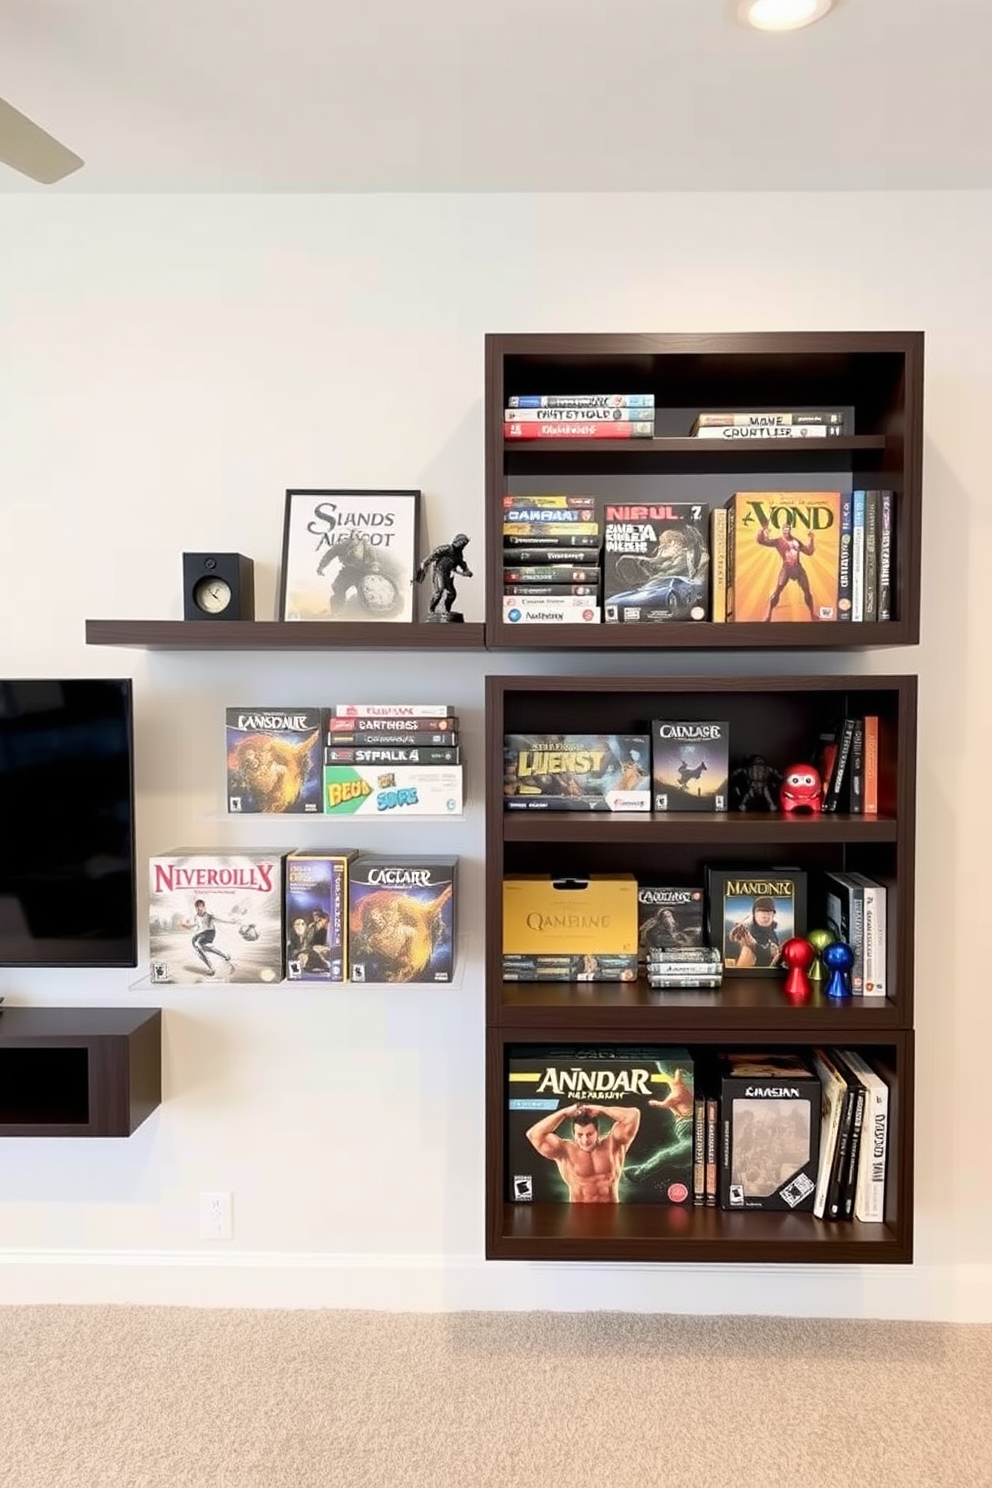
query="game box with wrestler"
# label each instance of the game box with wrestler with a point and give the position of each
(609, 1125)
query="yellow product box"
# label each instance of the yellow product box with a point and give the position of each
(569, 916)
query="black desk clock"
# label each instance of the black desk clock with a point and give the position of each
(218, 586)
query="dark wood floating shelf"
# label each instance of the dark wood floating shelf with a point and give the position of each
(701, 636)
(723, 830)
(278, 635)
(739, 1005)
(648, 1232)
(78, 1072)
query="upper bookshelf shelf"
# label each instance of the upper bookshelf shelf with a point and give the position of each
(277, 635)
(701, 450)
(874, 378)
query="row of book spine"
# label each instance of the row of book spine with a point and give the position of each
(853, 1145)
(848, 762)
(583, 416)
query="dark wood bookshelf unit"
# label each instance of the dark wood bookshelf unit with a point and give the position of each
(78, 1072)
(777, 717)
(878, 374)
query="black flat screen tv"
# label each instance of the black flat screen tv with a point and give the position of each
(67, 861)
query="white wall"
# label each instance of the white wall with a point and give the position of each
(167, 367)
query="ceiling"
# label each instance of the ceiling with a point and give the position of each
(509, 95)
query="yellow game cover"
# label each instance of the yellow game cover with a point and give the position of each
(784, 551)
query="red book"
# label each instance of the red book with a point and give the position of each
(870, 766)
(580, 430)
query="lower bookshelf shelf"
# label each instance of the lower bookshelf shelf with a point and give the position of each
(658, 1233)
(741, 1005)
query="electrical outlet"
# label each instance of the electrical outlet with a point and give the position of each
(216, 1217)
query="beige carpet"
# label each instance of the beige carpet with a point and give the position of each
(124, 1397)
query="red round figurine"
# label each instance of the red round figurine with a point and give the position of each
(801, 791)
(797, 955)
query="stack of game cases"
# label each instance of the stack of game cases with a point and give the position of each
(684, 966)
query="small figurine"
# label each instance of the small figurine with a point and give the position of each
(801, 791)
(797, 955)
(819, 940)
(445, 562)
(838, 958)
(753, 782)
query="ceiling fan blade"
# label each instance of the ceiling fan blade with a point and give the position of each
(28, 149)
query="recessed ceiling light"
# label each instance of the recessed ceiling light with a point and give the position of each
(782, 15)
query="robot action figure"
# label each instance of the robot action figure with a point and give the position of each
(753, 783)
(444, 562)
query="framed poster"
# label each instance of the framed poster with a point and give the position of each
(349, 555)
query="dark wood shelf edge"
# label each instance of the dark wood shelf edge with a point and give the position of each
(701, 636)
(686, 827)
(276, 635)
(697, 1024)
(887, 1251)
(701, 448)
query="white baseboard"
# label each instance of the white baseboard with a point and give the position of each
(433, 1283)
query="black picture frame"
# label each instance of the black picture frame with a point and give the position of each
(349, 555)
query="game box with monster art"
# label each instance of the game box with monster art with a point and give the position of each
(274, 760)
(656, 562)
(596, 1125)
(401, 919)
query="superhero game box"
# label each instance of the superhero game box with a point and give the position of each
(599, 1125)
(783, 552)
(401, 919)
(317, 915)
(577, 772)
(770, 1131)
(273, 760)
(216, 917)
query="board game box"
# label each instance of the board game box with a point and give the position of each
(273, 760)
(752, 912)
(595, 915)
(656, 562)
(317, 915)
(599, 1125)
(399, 790)
(770, 1129)
(690, 764)
(401, 918)
(669, 917)
(577, 772)
(216, 917)
(783, 553)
